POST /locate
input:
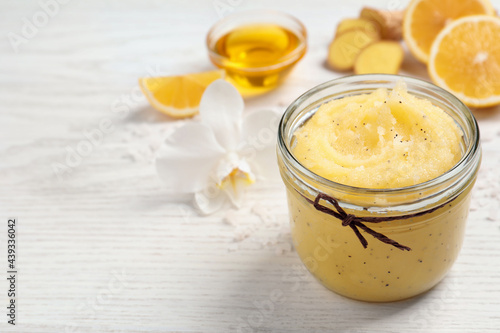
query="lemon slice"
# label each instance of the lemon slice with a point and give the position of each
(424, 19)
(178, 96)
(465, 59)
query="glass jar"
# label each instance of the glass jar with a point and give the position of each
(333, 252)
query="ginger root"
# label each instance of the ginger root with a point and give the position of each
(359, 24)
(346, 47)
(389, 22)
(383, 57)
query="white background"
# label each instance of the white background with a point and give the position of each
(104, 248)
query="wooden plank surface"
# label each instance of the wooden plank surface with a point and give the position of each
(103, 247)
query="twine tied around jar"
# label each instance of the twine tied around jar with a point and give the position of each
(355, 222)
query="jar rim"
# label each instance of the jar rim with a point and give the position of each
(468, 163)
(231, 21)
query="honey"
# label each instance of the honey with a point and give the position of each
(256, 56)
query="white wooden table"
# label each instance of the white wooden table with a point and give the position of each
(103, 248)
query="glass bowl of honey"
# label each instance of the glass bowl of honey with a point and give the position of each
(257, 49)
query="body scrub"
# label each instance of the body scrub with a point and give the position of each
(379, 140)
(378, 180)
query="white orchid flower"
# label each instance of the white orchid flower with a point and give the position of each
(216, 157)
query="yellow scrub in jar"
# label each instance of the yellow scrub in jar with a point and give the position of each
(379, 154)
(379, 140)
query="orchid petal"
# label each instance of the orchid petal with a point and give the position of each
(187, 158)
(258, 145)
(235, 193)
(233, 175)
(220, 108)
(229, 164)
(210, 201)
